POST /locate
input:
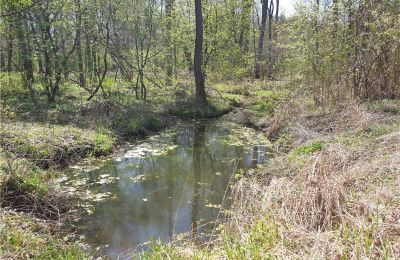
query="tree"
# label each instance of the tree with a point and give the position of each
(201, 98)
(169, 6)
(82, 80)
(260, 48)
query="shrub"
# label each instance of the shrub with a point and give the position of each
(103, 144)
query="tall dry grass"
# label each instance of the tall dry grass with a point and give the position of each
(342, 202)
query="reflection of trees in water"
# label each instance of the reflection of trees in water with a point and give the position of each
(185, 174)
(198, 143)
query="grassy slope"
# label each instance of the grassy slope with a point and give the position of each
(332, 191)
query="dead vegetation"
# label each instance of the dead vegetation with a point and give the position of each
(22, 196)
(340, 202)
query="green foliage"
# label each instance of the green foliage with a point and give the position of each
(308, 149)
(334, 49)
(264, 106)
(11, 84)
(386, 106)
(233, 99)
(103, 144)
(145, 124)
(267, 101)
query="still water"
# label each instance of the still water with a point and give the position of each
(174, 182)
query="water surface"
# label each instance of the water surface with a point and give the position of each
(171, 183)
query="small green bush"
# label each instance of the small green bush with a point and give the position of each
(103, 144)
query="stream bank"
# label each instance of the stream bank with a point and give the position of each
(41, 146)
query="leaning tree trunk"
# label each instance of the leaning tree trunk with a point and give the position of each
(198, 55)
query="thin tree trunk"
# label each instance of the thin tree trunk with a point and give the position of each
(264, 13)
(82, 80)
(198, 55)
(169, 5)
(270, 20)
(26, 58)
(9, 53)
(245, 24)
(188, 59)
(2, 58)
(106, 49)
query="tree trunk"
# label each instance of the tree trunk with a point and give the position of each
(169, 5)
(264, 13)
(26, 58)
(270, 59)
(198, 55)
(245, 19)
(188, 59)
(2, 57)
(9, 53)
(82, 80)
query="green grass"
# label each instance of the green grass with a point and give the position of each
(308, 148)
(103, 144)
(56, 145)
(22, 237)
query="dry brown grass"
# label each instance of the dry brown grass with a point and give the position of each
(342, 203)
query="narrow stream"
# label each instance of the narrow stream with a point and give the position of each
(171, 183)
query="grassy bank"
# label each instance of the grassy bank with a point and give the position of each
(34, 213)
(53, 145)
(331, 191)
(24, 237)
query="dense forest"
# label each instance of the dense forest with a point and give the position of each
(82, 81)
